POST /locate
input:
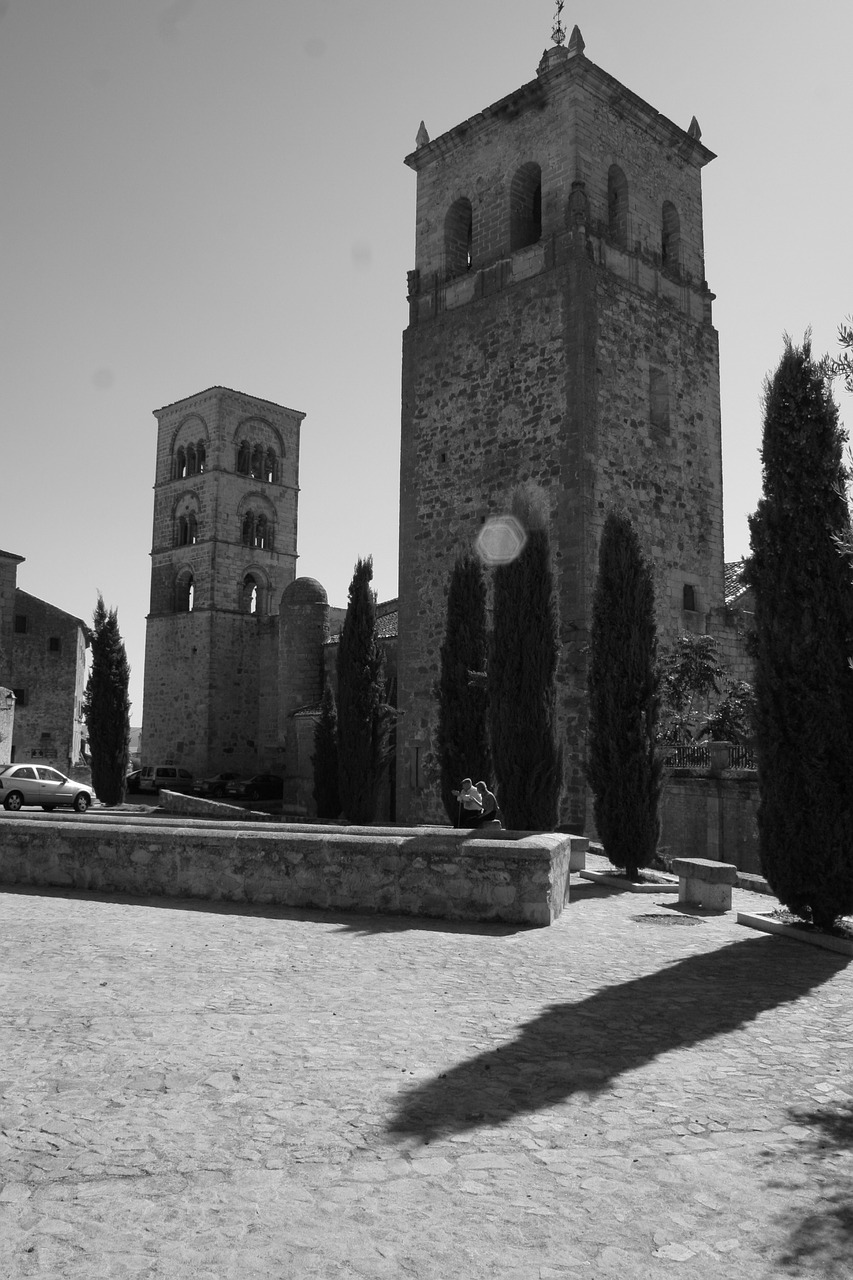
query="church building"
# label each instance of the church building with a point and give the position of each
(560, 343)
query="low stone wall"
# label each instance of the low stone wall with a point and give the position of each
(707, 817)
(513, 877)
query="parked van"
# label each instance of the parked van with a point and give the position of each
(165, 777)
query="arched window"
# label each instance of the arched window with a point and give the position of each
(261, 531)
(670, 240)
(271, 467)
(184, 593)
(257, 462)
(250, 596)
(458, 238)
(248, 531)
(243, 458)
(201, 456)
(688, 597)
(617, 205)
(183, 531)
(191, 460)
(192, 529)
(525, 207)
(180, 464)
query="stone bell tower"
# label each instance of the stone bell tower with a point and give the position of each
(559, 340)
(223, 553)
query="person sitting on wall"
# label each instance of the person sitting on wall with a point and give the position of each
(469, 806)
(490, 805)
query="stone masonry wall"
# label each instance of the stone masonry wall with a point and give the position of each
(445, 874)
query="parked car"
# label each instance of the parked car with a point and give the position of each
(215, 786)
(22, 784)
(131, 782)
(165, 777)
(263, 786)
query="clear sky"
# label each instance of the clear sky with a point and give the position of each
(200, 192)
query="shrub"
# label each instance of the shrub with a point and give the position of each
(800, 573)
(623, 767)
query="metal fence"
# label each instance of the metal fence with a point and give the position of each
(697, 755)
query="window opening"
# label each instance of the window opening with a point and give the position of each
(201, 456)
(250, 594)
(191, 460)
(248, 534)
(458, 238)
(184, 594)
(21, 624)
(271, 467)
(688, 597)
(670, 248)
(243, 457)
(617, 205)
(54, 644)
(180, 464)
(525, 207)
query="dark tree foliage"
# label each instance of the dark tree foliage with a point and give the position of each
(522, 689)
(362, 716)
(801, 580)
(463, 734)
(106, 707)
(623, 767)
(327, 794)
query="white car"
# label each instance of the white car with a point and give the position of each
(22, 784)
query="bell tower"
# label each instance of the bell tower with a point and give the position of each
(560, 341)
(223, 553)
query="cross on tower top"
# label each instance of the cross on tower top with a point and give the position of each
(558, 35)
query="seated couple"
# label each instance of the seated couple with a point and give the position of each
(475, 805)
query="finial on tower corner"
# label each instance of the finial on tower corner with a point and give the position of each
(423, 137)
(693, 129)
(577, 44)
(558, 35)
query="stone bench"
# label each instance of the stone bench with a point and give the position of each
(703, 882)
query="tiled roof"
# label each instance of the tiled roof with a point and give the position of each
(733, 579)
(386, 622)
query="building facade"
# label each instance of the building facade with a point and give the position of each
(560, 343)
(43, 662)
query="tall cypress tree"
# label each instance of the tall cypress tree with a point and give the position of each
(623, 767)
(801, 580)
(463, 737)
(327, 794)
(522, 686)
(362, 718)
(106, 707)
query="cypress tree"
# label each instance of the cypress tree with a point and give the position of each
(362, 718)
(463, 737)
(106, 707)
(800, 573)
(522, 687)
(623, 768)
(325, 759)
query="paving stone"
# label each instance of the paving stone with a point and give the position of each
(259, 1093)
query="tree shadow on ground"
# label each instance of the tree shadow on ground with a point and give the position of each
(821, 1240)
(585, 1045)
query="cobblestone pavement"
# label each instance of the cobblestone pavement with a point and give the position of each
(191, 1091)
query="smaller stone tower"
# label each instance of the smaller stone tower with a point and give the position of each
(223, 552)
